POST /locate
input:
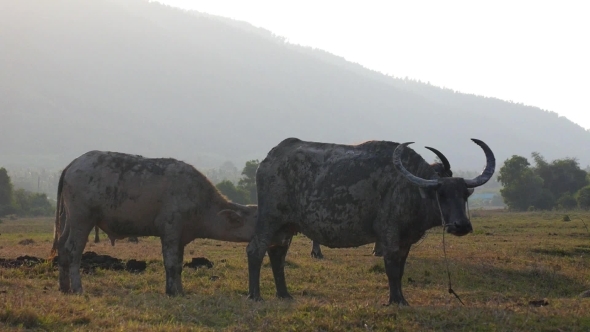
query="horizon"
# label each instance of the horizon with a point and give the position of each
(502, 51)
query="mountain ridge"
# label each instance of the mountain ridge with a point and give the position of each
(145, 78)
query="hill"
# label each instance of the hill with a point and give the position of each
(144, 78)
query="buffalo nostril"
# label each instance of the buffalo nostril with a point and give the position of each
(459, 229)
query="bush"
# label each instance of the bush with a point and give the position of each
(584, 198)
(545, 200)
(32, 204)
(567, 202)
(235, 194)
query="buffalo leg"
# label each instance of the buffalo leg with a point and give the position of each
(316, 250)
(96, 237)
(277, 256)
(256, 250)
(173, 265)
(394, 268)
(173, 254)
(64, 259)
(73, 248)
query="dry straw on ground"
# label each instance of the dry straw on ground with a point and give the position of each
(516, 272)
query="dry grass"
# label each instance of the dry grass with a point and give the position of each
(510, 260)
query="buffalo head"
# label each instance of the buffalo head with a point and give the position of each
(449, 193)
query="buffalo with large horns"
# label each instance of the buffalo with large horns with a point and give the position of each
(351, 195)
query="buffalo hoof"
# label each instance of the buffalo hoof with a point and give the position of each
(316, 255)
(377, 253)
(401, 304)
(174, 292)
(286, 296)
(256, 298)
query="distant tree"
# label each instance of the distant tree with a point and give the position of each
(21, 200)
(544, 200)
(567, 202)
(248, 180)
(6, 193)
(560, 176)
(521, 185)
(27, 203)
(40, 205)
(233, 193)
(584, 198)
(544, 186)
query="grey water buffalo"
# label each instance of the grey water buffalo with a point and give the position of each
(351, 195)
(127, 195)
(442, 169)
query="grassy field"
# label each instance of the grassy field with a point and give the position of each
(510, 260)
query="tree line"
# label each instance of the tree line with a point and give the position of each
(21, 202)
(245, 191)
(560, 184)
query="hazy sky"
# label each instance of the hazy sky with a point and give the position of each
(531, 52)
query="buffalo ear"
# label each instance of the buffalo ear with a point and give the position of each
(234, 218)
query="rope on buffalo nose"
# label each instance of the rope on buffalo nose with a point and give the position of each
(444, 224)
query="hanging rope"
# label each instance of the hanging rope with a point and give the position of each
(444, 224)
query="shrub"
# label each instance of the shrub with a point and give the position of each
(567, 202)
(584, 198)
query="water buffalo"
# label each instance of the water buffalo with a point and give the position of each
(351, 195)
(442, 169)
(127, 195)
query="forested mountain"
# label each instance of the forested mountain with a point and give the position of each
(140, 77)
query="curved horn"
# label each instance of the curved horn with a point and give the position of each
(397, 153)
(490, 166)
(442, 158)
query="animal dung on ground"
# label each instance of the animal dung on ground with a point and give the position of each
(539, 303)
(90, 262)
(135, 266)
(199, 262)
(20, 261)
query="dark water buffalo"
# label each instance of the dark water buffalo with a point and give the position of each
(442, 169)
(347, 196)
(127, 195)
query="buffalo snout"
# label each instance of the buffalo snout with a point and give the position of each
(460, 229)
